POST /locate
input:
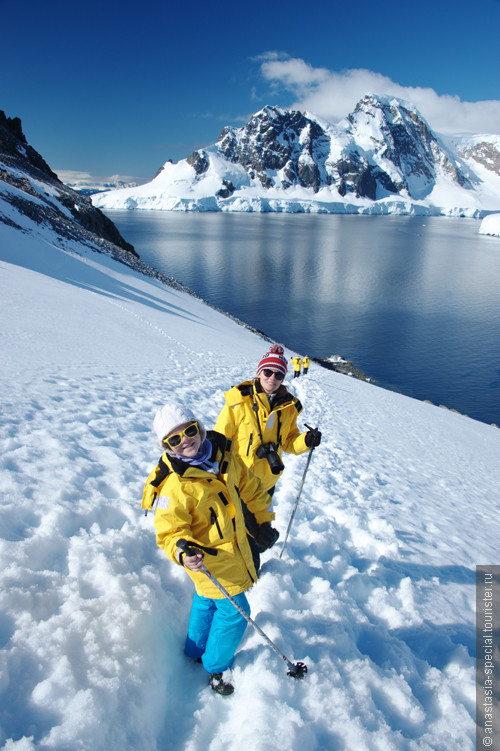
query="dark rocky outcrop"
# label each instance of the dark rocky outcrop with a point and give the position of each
(227, 189)
(339, 365)
(42, 197)
(198, 162)
(275, 140)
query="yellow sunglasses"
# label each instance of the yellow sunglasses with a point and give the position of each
(175, 440)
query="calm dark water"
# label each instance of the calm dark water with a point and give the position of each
(414, 302)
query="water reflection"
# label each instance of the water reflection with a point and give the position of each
(413, 301)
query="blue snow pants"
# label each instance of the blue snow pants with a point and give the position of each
(215, 631)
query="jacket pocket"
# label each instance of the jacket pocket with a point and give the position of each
(214, 520)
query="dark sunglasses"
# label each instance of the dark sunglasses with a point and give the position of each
(278, 375)
(176, 439)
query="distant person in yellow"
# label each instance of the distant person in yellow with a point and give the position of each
(306, 361)
(297, 363)
(260, 417)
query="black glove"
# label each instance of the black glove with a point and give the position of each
(313, 438)
(266, 536)
(251, 524)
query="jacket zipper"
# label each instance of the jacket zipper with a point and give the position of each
(249, 443)
(214, 520)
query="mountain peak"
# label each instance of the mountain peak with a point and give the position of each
(14, 146)
(401, 143)
(385, 102)
(383, 157)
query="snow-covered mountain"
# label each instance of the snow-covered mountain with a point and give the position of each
(382, 158)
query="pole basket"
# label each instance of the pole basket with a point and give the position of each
(298, 670)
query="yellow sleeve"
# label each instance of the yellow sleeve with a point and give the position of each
(295, 441)
(173, 520)
(225, 422)
(253, 492)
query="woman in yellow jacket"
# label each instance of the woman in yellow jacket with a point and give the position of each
(260, 417)
(207, 499)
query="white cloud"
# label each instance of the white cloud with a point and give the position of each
(333, 95)
(294, 73)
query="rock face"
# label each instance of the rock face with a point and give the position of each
(483, 151)
(277, 140)
(383, 147)
(42, 197)
(340, 365)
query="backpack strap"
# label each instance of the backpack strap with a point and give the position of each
(153, 485)
(221, 446)
(163, 471)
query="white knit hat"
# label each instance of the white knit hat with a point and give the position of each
(170, 416)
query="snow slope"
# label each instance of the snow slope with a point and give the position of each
(375, 590)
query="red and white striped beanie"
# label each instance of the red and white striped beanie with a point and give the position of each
(274, 359)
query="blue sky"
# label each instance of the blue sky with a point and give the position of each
(111, 88)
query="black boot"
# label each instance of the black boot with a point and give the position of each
(218, 684)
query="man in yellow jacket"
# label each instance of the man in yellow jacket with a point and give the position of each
(260, 418)
(297, 363)
(208, 498)
(306, 361)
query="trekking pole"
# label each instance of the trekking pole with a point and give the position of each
(297, 670)
(298, 494)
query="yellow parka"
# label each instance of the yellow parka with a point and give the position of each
(207, 509)
(297, 362)
(238, 421)
(306, 361)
